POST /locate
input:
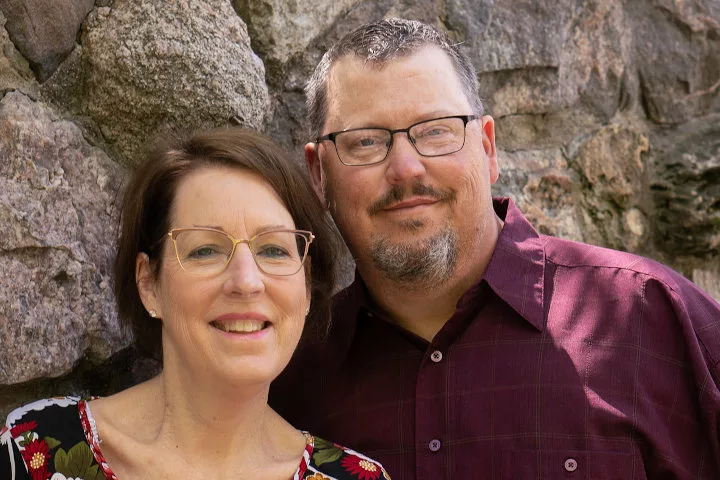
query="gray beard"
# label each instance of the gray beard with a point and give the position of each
(417, 266)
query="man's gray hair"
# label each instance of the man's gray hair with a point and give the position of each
(377, 43)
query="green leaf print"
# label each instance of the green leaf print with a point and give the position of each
(76, 462)
(94, 473)
(61, 461)
(52, 443)
(327, 455)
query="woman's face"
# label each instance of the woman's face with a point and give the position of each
(241, 324)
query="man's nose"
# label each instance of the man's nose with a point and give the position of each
(404, 163)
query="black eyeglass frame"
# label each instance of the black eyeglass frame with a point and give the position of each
(333, 135)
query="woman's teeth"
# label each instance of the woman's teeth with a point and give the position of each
(240, 326)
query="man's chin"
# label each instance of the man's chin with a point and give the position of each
(427, 259)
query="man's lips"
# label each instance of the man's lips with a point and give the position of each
(410, 203)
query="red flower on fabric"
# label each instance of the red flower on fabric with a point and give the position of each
(36, 456)
(18, 430)
(364, 469)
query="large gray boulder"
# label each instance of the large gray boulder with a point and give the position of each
(281, 29)
(58, 211)
(144, 65)
(45, 30)
(676, 43)
(15, 73)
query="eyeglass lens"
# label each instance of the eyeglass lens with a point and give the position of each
(208, 251)
(432, 138)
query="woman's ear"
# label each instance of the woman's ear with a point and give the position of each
(146, 284)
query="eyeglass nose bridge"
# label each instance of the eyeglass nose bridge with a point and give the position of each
(236, 241)
(391, 140)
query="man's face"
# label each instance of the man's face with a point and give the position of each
(409, 209)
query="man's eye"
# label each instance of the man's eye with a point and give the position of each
(366, 142)
(363, 141)
(434, 132)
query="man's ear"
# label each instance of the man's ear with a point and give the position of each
(315, 170)
(488, 141)
(146, 285)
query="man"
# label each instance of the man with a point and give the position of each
(470, 346)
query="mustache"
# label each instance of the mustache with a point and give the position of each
(397, 194)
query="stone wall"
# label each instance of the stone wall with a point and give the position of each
(608, 125)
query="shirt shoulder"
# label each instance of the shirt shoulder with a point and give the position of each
(569, 253)
(662, 291)
(46, 437)
(326, 460)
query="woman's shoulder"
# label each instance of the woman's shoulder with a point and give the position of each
(45, 437)
(326, 460)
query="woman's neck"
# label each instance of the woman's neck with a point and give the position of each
(214, 419)
(195, 427)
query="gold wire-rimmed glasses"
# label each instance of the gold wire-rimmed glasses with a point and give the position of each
(208, 251)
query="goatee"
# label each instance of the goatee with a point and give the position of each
(426, 264)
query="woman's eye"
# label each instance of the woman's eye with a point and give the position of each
(203, 252)
(273, 251)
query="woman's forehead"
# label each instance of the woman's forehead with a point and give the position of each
(229, 198)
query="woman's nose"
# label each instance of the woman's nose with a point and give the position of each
(244, 276)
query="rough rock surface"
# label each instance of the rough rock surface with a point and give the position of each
(283, 28)
(15, 73)
(45, 30)
(58, 217)
(678, 57)
(686, 188)
(144, 65)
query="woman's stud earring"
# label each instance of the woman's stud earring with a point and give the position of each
(153, 313)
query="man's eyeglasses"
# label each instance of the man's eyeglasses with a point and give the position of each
(431, 138)
(208, 251)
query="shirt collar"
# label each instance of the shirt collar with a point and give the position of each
(516, 272)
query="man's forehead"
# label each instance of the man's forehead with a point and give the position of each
(352, 63)
(357, 88)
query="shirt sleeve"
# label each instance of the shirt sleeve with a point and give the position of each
(700, 313)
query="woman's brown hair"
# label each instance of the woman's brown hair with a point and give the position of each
(148, 203)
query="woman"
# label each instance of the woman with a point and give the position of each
(224, 251)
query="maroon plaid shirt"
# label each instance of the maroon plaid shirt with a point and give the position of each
(563, 361)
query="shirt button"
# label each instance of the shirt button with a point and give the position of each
(571, 464)
(434, 445)
(436, 356)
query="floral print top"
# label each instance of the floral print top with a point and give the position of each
(56, 439)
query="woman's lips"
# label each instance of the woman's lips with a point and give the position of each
(240, 326)
(241, 322)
